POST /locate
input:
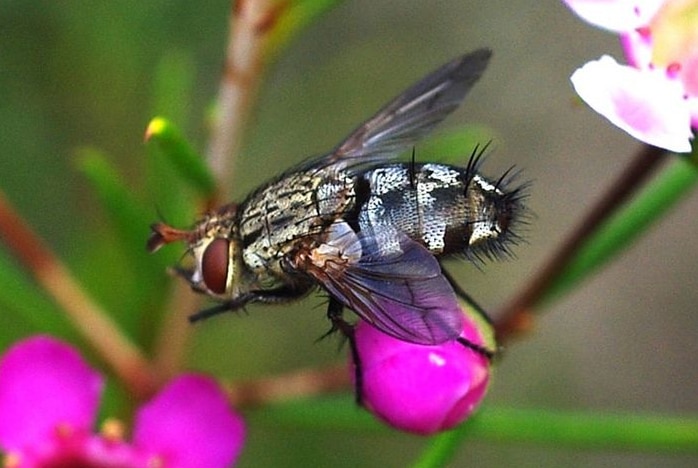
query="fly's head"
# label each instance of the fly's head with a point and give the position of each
(213, 246)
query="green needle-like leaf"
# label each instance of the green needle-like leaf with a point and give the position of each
(334, 412)
(131, 223)
(570, 429)
(130, 220)
(21, 301)
(191, 167)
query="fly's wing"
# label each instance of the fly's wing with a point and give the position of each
(408, 117)
(390, 281)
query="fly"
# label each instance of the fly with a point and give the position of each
(369, 231)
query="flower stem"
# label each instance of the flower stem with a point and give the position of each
(126, 360)
(626, 225)
(516, 316)
(249, 21)
(283, 387)
(170, 345)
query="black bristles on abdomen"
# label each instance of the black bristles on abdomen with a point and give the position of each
(448, 209)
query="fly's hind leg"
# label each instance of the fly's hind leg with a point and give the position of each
(482, 350)
(334, 313)
(465, 296)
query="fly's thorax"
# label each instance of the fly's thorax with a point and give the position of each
(283, 215)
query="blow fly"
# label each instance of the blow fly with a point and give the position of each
(369, 231)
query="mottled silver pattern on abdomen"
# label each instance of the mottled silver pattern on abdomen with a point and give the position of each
(446, 208)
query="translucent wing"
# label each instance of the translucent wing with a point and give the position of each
(390, 281)
(408, 117)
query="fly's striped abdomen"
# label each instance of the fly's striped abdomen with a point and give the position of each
(447, 209)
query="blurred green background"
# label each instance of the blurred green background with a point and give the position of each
(81, 73)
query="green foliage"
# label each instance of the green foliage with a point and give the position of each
(125, 210)
(20, 300)
(568, 429)
(456, 146)
(190, 166)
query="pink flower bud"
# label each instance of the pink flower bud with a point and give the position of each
(424, 389)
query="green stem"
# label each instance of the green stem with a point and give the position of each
(569, 429)
(556, 428)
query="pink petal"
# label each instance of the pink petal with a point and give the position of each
(646, 104)
(689, 74)
(637, 47)
(693, 106)
(44, 383)
(190, 424)
(616, 15)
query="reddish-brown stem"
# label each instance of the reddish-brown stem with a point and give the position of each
(170, 345)
(86, 315)
(250, 20)
(516, 317)
(283, 387)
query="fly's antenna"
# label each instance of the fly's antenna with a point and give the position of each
(164, 234)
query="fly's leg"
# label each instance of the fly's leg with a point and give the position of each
(334, 313)
(482, 350)
(465, 296)
(273, 296)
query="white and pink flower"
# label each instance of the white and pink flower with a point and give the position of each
(655, 96)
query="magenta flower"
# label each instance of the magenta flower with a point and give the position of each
(423, 389)
(49, 397)
(655, 97)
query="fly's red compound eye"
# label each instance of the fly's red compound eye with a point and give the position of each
(214, 265)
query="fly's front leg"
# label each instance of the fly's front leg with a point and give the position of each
(274, 296)
(229, 306)
(334, 313)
